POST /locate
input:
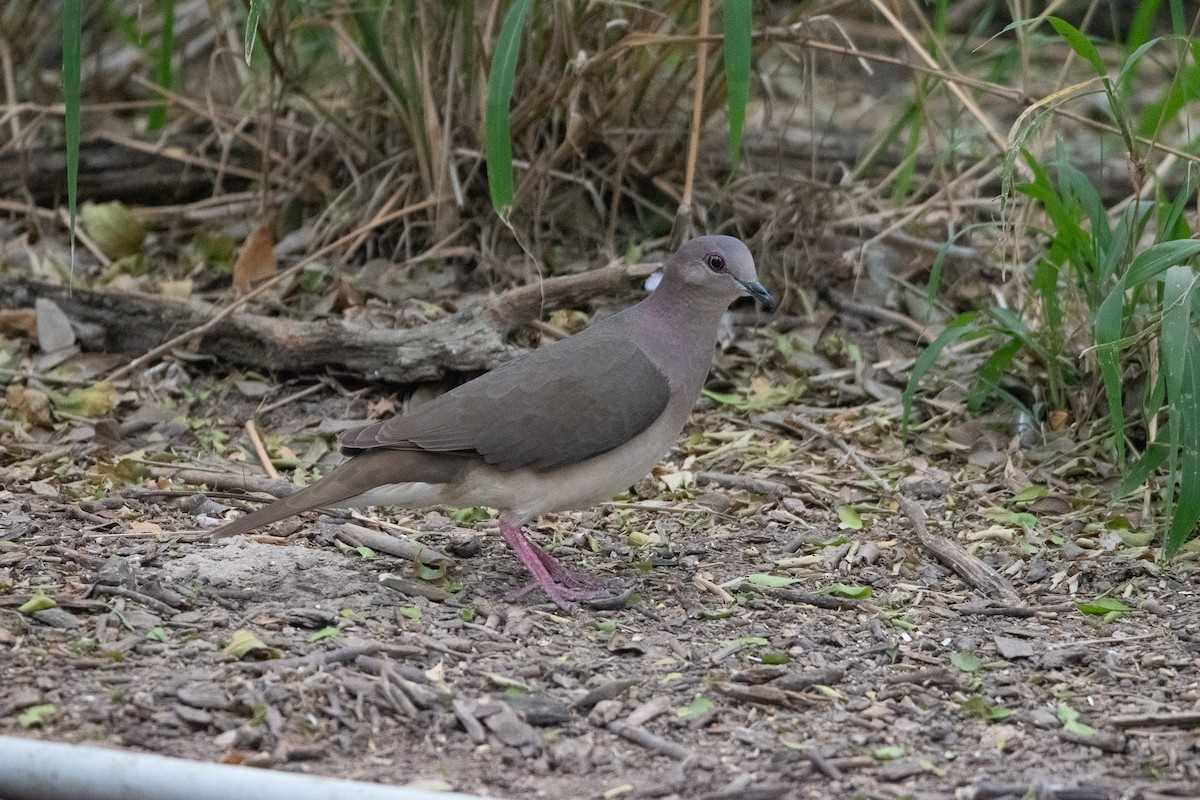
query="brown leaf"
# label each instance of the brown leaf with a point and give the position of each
(256, 261)
(18, 322)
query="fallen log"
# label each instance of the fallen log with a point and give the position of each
(471, 340)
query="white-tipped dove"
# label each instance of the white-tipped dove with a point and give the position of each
(561, 427)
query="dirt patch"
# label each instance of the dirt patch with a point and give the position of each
(709, 684)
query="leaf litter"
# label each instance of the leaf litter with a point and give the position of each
(791, 637)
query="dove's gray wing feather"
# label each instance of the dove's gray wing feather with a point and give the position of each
(552, 407)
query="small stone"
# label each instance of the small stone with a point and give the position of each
(541, 710)
(511, 731)
(605, 712)
(1013, 648)
(192, 716)
(57, 618)
(204, 695)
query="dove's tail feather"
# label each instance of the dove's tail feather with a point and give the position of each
(355, 477)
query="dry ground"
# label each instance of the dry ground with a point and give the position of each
(706, 685)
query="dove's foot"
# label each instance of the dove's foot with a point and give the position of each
(564, 586)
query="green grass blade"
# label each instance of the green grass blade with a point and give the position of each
(987, 383)
(1126, 74)
(1142, 26)
(933, 285)
(1156, 259)
(72, 78)
(1010, 323)
(955, 329)
(1143, 468)
(1177, 296)
(1187, 405)
(1176, 323)
(252, 18)
(738, 23)
(1081, 44)
(501, 82)
(162, 64)
(1172, 224)
(1107, 331)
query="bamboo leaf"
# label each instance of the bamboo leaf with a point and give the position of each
(72, 80)
(738, 23)
(501, 82)
(1157, 258)
(252, 18)
(1079, 43)
(1187, 406)
(954, 330)
(162, 64)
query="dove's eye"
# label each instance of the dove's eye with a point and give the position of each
(715, 263)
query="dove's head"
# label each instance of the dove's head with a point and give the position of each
(719, 266)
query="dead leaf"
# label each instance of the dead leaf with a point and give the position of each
(114, 228)
(53, 327)
(176, 290)
(18, 322)
(256, 261)
(32, 405)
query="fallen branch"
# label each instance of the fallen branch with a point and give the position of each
(1178, 719)
(471, 340)
(639, 735)
(955, 556)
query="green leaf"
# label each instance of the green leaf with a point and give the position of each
(978, 707)
(699, 706)
(890, 753)
(72, 82)
(428, 573)
(324, 633)
(243, 643)
(966, 661)
(749, 640)
(469, 515)
(850, 518)
(501, 83)
(770, 581)
(36, 716)
(1070, 720)
(1079, 43)
(829, 691)
(1102, 606)
(725, 398)
(1158, 258)
(1029, 494)
(1185, 407)
(252, 18)
(162, 64)
(1143, 468)
(411, 612)
(156, 634)
(954, 330)
(1107, 332)
(738, 23)
(846, 590)
(775, 658)
(39, 602)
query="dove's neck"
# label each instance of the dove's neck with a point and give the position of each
(678, 328)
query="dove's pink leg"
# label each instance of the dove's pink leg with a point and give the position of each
(565, 587)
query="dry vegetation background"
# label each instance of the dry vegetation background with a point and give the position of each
(278, 240)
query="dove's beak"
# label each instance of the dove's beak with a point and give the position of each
(759, 292)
